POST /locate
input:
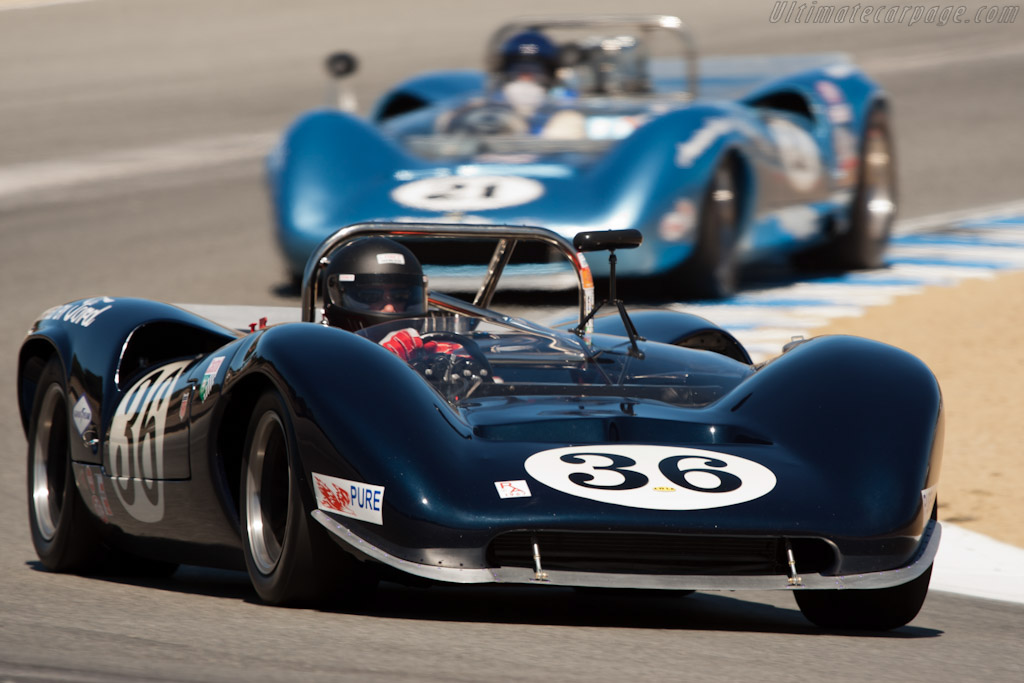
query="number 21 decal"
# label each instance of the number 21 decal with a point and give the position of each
(652, 477)
(467, 193)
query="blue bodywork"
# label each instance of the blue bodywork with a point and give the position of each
(789, 130)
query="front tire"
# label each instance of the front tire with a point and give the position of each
(879, 609)
(63, 530)
(289, 561)
(712, 271)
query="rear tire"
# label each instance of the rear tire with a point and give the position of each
(63, 529)
(873, 210)
(712, 271)
(289, 558)
(879, 609)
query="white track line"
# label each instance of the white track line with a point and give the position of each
(6, 5)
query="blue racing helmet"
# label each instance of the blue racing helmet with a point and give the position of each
(529, 52)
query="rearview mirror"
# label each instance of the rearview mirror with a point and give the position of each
(341, 64)
(599, 240)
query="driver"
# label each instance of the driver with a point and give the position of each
(528, 65)
(374, 280)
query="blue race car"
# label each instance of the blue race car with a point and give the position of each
(608, 123)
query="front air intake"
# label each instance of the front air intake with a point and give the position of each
(665, 554)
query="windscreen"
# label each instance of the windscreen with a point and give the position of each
(469, 359)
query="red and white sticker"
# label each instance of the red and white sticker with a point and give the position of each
(829, 92)
(391, 259)
(349, 498)
(517, 488)
(652, 477)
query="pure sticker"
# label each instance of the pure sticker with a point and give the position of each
(349, 498)
(652, 477)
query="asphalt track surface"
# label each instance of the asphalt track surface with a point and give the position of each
(88, 85)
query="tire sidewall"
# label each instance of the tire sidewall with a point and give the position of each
(864, 249)
(291, 579)
(712, 270)
(73, 540)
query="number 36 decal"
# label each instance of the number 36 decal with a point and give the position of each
(653, 477)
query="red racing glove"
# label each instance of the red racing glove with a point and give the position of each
(404, 344)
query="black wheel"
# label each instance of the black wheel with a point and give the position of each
(289, 561)
(879, 609)
(873, 210)
(712, 271)
(63, 530)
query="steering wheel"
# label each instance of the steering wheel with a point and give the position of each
(490, 118)
(456, 374)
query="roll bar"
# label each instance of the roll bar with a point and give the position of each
(507, 237)
(688, 45)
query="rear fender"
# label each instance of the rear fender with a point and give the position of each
(102, 340)
(324, 160)
(672, 159)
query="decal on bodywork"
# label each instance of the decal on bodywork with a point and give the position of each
(90, 484)
(798, 153)
(844, 144)
(209, 377)
(82, 414)
(82, 313)
(702, 140)
(468, 193)
(136, 449)
(652, 477)
(517, 488)
(349, 498)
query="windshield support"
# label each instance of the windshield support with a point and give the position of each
(499, 259)
(627, 322)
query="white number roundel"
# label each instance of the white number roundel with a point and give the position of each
(652, 477)
(467, 193)
(798, 153)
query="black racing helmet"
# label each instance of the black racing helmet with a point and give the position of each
(373, 280)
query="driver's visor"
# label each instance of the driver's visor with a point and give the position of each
(400, 292)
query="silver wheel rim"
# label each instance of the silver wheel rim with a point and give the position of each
(724, 198)
(46, 499)
(266, 506)
(878, 193)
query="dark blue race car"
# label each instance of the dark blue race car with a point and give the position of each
(608, 123)
(638, 451)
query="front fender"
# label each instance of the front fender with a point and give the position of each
(360, 412)
(324, 161)
(868, 414)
